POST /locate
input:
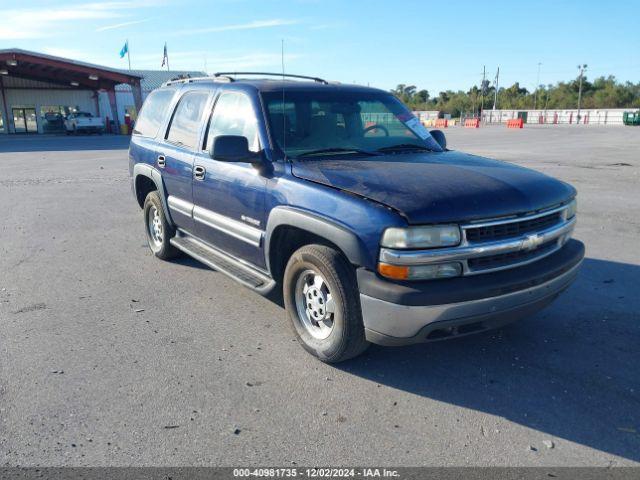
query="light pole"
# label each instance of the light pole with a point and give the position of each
(582, 69)
(535, 97)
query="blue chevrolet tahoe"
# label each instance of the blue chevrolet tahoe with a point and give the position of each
(338, 195)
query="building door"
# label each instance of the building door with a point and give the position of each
(24, 120)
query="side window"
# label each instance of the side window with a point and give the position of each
(153, 112)
(185, 123)
(233, 115)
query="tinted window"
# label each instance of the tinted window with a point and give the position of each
(233, 115)
(185, 123)
(152, 113)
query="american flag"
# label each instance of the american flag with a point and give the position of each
(165, 56)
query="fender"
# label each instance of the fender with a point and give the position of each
(343, 238)
(155, 176)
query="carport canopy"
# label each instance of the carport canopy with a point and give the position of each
(66, 72)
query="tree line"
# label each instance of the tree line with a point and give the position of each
(603, 92)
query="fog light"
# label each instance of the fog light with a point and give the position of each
(420, 272)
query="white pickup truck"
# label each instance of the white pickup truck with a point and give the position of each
(83, 122)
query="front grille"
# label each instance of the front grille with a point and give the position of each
(506, 259)
(495, 244)
(511, 230)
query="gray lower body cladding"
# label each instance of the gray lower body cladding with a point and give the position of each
(448, 310)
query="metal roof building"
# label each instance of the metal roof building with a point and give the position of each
(38, 90)
(150, 80)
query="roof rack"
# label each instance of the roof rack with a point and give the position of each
(195, 79)
(230, 77)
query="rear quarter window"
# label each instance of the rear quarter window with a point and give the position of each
(187, 119)
(153, 112)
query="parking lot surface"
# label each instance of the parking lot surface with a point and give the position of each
(109, 356)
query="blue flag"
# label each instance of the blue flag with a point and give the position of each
(125, 49)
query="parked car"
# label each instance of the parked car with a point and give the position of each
(83, 122)
(54, 120)
(336, 194)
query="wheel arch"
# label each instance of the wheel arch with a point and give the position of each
(291, 228)
(144, 177)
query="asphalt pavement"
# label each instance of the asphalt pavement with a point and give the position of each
(111, 357)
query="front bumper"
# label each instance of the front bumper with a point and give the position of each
(405, 313)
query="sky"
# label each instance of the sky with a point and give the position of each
(435, 45)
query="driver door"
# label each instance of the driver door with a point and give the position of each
(229, 197)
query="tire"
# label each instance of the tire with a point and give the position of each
(339, 335)
(159, 232)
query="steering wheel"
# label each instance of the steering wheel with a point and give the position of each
(376, 127)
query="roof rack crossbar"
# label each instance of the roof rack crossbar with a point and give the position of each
(228, 77)
(305, 77)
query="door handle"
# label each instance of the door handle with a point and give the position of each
(198, 172)
(161, 161)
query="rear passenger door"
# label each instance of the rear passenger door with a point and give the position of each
(176, 154)
(149, 129)
(229, 197)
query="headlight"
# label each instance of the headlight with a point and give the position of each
(421, 237)
(420, 272)
(571, 209)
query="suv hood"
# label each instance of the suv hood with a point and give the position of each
(439, 187)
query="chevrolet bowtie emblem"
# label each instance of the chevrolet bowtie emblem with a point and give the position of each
(531, 242)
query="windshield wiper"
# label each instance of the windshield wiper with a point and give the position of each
(402, 147)
(336, 151)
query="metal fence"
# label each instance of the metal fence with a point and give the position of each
(609, 116)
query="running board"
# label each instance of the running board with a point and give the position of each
(223, 263)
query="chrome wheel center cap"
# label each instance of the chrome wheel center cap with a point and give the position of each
(316, 304)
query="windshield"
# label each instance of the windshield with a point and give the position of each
(338, 122)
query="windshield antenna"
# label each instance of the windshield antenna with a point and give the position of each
(284, 118)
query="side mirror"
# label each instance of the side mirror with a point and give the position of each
(439, 137)
(233, 148)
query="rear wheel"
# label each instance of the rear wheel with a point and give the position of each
(322, 303)
(159, 232)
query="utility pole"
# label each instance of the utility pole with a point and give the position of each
(535, 97)
(484, 71)
(582, 69)
(495, 93)
(546, 101)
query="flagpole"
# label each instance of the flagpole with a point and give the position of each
(495, 93)
(167, 57)
(128, 55)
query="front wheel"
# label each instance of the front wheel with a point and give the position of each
(159, 231)
(322, 302)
